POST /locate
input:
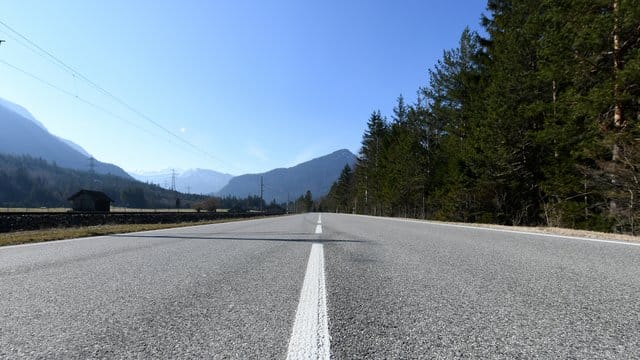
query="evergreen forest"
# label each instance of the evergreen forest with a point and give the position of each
(535, 121)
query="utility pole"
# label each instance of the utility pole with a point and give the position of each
(92, 171)
(261, 193)
(173, 179)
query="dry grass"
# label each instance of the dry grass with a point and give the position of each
(580, 233)
(34, 210)
(113, 209)
(33, 236)
(124, 209)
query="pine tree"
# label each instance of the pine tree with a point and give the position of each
(453, 98)
(370, 165)
(344, 190)
(507, 162)
(308, 201)
(404, 181)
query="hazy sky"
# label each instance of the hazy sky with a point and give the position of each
(255, 84)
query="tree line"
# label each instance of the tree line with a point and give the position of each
(28, 182)
(32, 182)
(534, 122)
(253, 203)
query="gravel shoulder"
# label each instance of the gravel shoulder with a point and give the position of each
(559, 231)
(532, 229)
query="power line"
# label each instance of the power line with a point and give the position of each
(92, 165)
(87, 102)
(75, 95)
(92, 171)
(74, 73)
(261, 193)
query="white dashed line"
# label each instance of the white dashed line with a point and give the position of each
(310, 335)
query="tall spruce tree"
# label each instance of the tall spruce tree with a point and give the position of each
(343, 191)
(453, 97)
(403, 163)
(607, 72)
(371, 170)
(507, 160)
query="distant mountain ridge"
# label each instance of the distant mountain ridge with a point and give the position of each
(194, 181)
(315, 175)
(31, 182)
(22, 134)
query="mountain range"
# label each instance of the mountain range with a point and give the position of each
(21, 134)
(192, 181)
(284, 184)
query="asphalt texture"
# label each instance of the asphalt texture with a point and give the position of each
(395, 289)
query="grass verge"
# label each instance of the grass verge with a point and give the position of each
(34, 236)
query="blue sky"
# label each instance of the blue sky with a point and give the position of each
(254, 84)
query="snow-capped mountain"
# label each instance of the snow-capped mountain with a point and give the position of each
(194, 181)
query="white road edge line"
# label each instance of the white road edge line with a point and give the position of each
(310, 336)
(569, 237)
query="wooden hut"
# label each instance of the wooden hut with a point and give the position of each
(89, 200)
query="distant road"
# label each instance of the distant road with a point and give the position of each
(367, 288)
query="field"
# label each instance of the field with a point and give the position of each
(34, 210)
(32, 236)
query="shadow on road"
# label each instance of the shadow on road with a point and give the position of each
(229, 238)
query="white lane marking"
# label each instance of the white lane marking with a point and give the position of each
(310, 335)
(506, 231)
(319, 226)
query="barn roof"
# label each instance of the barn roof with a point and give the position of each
(96, 195)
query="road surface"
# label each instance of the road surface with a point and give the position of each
(317, 286)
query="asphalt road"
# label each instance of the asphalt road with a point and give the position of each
(381, 288)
